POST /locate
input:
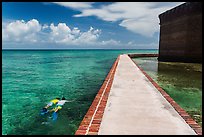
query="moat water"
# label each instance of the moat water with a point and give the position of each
(182, 81)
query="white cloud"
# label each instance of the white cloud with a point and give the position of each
(64, 35)
(75, 5)
(143, 26)
(138, 17)
(60, 34)
(111, 42)
(76, 31)
(90, 36)
(152, 45)
(33, 31)
(100, 13)
(21, 31)
(45, 26)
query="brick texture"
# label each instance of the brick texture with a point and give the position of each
(91, 122)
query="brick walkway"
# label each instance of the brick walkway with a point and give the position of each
(130, 102)
(136, 107)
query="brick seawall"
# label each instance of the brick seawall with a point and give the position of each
(92, 120)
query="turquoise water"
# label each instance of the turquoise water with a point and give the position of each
(182, 81)
(31, 78)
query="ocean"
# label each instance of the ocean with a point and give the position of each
(31, 78)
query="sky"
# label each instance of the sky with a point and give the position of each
(82, 25)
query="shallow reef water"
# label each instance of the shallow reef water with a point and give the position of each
(31, 78)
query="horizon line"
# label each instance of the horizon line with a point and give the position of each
(78, 49)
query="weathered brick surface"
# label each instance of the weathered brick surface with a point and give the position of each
(197, 128)
(91, 122)
(181, 33)
(80, 132)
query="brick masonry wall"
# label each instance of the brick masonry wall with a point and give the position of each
(91, 122)
(142, 55)
(181, 33)
(197, 128)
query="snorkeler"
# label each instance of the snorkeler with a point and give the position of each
(52, 102)
(58, 107)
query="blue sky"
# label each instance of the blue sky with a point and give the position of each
(75, 25)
